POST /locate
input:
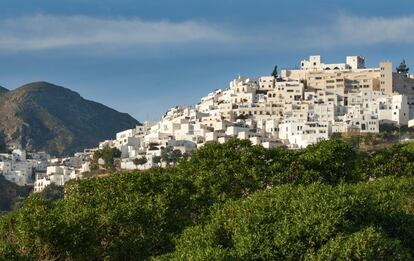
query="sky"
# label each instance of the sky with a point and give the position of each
(143, 57)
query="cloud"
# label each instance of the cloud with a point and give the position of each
(349, 30)
(50, 32)
(47, 32)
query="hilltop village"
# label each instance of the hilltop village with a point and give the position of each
(295, 108)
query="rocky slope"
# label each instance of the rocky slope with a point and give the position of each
(45, 117)
(3, 90)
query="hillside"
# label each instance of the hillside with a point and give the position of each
(43, 116)
(3, 90)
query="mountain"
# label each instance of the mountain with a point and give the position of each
(45, 117)
(3, 90)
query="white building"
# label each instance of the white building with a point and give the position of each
(303, 107)
(16, 168)
(57, 175)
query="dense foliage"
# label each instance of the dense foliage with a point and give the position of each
(108, 155)
(370, 221)
(230, 201)
(11, 195)
(52, 192)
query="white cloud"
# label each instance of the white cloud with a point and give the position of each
(361, 31)
(48, 32)
(45, 32)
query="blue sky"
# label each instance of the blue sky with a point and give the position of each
(143, 57)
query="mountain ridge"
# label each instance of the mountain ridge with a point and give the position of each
(44, 116)
(3, 90)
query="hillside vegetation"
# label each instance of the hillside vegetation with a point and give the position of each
(11, 195)
(231, 201)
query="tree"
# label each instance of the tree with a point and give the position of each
(397, 160)
(316, 222)
(336, 135)
(52, 192)
(165, 155)
(11, 195)
(332, 161)
(274, 73)
(18, 203)
(186, 155)
(176, 155)
(140, 161)
(116, 153)
(367, 244)
(231, 201)
(156, 159)
(388, 127)
(108, 155)
(369, 139)
(402, 68)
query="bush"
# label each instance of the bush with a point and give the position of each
(108, 155)
(367, 244)
(228, 201)
(364, 221)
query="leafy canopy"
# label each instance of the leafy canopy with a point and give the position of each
(228, 201)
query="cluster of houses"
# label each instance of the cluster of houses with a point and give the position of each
(61, 170)
(20, 167)
(39, 170)
(300, 107)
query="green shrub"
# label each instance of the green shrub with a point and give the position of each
(228, 201)
(364, 221)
